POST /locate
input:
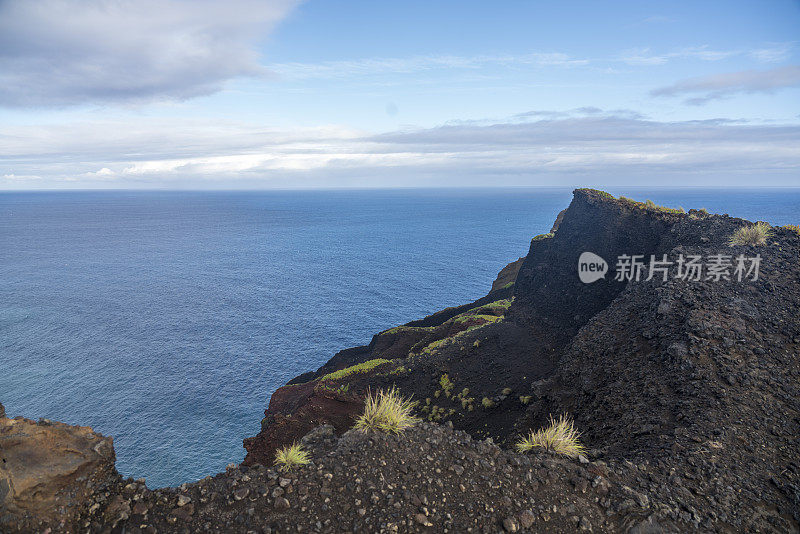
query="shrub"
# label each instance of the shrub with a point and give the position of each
(560, 437)
(525, 399)
(354, 369)
(446, 384)
(755, 234)
(387, 411)
(506, 391)
(291, 456)
(487, 403)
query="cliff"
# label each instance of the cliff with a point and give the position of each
(686, 392)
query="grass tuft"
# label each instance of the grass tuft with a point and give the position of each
(291, 456)
(387, 411)
(360, 368)
(755, 234)
(560, 437)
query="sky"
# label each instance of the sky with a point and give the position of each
(263, 94)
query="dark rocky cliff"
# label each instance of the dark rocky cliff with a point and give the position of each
(687, 394)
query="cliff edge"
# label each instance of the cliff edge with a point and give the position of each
(675, 349)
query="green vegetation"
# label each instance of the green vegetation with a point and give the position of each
(525, 399)
(559, 437)
(507, 285)
(793, 227)
(596, 191)
(506, 391)
(286, 458)
(447, 385)
(387, 411)
(488, 403)
(756, 234)
(463, 318)
(404, 328)
(341, 388)
(649, 205)
(354, 369)
(543, 236)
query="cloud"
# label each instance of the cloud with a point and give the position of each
(383, 66)
(64, 52)
(718, 86)
(573, 148)
(644, 56)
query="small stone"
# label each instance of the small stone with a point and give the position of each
(510, 524)
(281, 503)
(183, 500)
(241, 493)
(457, 469)
(422, 520)
(140, 508)
(284, 482)
(362, 512)
(584, 524)
(583, 459)
(526, 519)
(184, 512)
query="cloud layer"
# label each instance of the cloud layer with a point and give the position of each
(577, 147)
(718, 86)
(62, 52)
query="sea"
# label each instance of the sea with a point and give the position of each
(167, 319)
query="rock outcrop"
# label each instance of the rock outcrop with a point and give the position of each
(48, 471)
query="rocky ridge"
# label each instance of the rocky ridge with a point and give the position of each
(686, 393)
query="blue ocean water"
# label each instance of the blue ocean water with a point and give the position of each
(166, 319)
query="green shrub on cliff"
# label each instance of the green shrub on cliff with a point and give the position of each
(559, 437)
(793, 228)
(291, 456)
(387, 411)
(446, 384)
(353, 369)
(755, 234)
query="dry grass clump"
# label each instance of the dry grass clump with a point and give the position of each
(387, 411)
(291, 456)
(755, 234)
(560, 437)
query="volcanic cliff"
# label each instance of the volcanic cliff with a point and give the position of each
(686, 392)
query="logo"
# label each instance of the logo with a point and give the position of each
(591, 267)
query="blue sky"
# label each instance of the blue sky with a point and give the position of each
(285, 94)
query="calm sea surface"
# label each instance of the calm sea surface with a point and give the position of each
(166, 319)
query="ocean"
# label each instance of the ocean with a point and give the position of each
(166, 319)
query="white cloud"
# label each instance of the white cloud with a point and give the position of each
(644, 56)
(577, 145)
(718, 86)
(367, 66)
(63, 52)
